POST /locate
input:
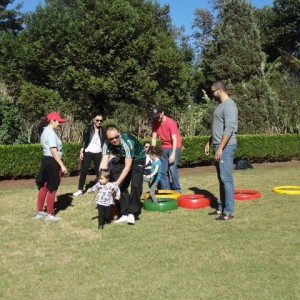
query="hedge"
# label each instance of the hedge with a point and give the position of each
(19, 161)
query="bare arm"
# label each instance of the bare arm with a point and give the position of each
(207, 146)
(174, 146)
(56, 156)
(154, 172)
(126, 170)
(154, 138)
(104, 162)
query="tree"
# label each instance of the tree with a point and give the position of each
(235, 56)
(98, 54)
(280, 28)
(10, 19)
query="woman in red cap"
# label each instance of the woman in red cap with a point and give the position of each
(51, 168)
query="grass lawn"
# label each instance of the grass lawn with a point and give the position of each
(182, 254)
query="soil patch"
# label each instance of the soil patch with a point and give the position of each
(20, 183)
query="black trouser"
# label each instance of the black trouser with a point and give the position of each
(104, 214)
(130, 203)
(87, 160)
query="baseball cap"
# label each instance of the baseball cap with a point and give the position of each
(157, 110)
(55, 116)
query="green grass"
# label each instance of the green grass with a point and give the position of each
(182, 254)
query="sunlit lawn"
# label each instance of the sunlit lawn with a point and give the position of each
(182, 254)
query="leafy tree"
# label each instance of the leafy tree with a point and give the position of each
(10, 19)
(100, 55)
(280, 28)
(235, 56)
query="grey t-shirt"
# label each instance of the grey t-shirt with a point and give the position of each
(225, 122)
(49, 139)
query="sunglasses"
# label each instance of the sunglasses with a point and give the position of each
(99, 121)
(146, 146)
(113, 138)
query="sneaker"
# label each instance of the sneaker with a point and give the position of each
(131, 219)
(52, 218)
(216, 212)
(225, 217)
(40, 215)
(124, 218)
(78, 193)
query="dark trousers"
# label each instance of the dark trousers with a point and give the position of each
(86, 163)
(130, 203)
(104, 214)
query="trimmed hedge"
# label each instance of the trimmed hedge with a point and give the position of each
(24, 160)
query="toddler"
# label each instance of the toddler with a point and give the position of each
(107, 193)
(154, 176)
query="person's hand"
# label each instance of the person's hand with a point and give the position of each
(89, 190)
(207, 148)
(171, 159)
(81, 155)
(64, 170)
(148, 176)
(218, 154)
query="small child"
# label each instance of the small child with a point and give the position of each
(107, 192)
(154, 177)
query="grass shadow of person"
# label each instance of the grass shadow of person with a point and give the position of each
(63, 202)
(207, 194)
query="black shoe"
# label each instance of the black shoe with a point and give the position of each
(225, 217)
(101, 227)
(216, 213)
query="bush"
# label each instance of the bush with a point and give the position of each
(24, 160)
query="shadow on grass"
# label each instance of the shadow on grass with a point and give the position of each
(207, 194)
(63, 202)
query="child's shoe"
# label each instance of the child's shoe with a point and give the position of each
(52, 218)
(40, 215)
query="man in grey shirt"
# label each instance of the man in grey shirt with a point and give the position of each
(223, 139)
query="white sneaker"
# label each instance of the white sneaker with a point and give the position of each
(52, 218)
(124, 218)
(131, 219)
(78, 193)
(40, 215)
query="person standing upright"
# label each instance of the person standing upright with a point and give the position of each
(91, 150)
(52, 167)
(223, 139)
(167, 130)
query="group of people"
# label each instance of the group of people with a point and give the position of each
(122, 161)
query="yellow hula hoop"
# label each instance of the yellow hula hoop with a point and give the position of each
(287, 189)
(162, 194)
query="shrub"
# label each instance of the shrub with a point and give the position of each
(24, 160)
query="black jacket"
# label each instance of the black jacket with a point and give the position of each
(88, 134)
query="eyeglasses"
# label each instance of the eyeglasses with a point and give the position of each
(114, 138)
(214, 90)
(99, 121)
(146, 146)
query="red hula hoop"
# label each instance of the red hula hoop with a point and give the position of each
(246, 194)
(193, 201)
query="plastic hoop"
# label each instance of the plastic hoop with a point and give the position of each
(163, 194)
(287, 189)
(246, 195)
(193, 201)
(164, 205)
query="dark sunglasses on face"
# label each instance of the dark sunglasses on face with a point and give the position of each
(113, 138)
(99, 121)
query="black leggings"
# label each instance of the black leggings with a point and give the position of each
(104, 213)
(87, 160)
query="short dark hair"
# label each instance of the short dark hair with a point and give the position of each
(105, 173)
(219, 85)
(155, 150)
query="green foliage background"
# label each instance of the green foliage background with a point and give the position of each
(24, 160)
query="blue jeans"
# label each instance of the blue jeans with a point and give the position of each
(166, 167)
(224, 171)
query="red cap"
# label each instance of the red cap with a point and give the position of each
(55, 116)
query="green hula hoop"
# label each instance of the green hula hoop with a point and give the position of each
(165, 204)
